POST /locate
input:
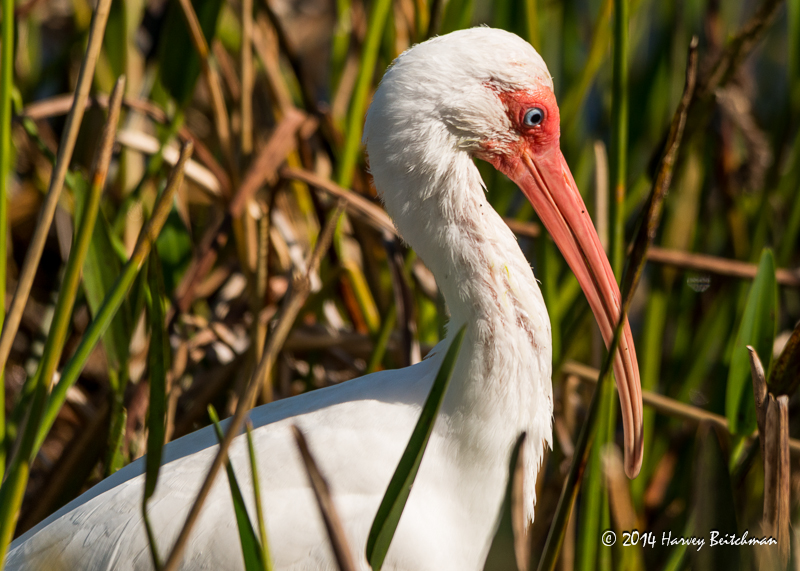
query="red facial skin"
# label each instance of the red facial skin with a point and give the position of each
(536, 140)
(533, 160)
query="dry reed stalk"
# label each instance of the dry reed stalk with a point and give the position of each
(777, 475)
(248, 78)
(221, 120)
(356, 204)
(333, 523)
(265, 42)
(519, 520)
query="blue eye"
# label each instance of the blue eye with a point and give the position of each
(533, 117)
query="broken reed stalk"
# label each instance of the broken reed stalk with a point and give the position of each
(777, 479)
(246, 398)
(65, 149)
(333, 524)
(644, 238)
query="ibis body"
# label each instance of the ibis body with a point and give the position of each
(478, 93)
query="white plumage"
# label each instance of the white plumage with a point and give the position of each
(441, 104)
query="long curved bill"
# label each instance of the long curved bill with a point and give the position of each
(548, 184)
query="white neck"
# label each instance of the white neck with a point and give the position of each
(502, 383)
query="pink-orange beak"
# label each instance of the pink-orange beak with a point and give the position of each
(547, 182)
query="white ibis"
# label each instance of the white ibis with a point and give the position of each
(478, 93)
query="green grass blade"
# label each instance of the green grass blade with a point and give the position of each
(618, 151)
(101, 269)
(151, 538)
(6, 87)
(266, 560)
(394, 501)
(341, 42)
(789, 239)
(650, 367)
(158, 363)
(251, 550)
(115, 41)
(174, 246)
(358, 104)
(594, 496)
(350, 154)
(382, 342)
(116, 435)
(757, 329)
(677, 556)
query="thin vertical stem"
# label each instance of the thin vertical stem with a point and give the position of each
(619, 134)
(247, 77)
(6, 84)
